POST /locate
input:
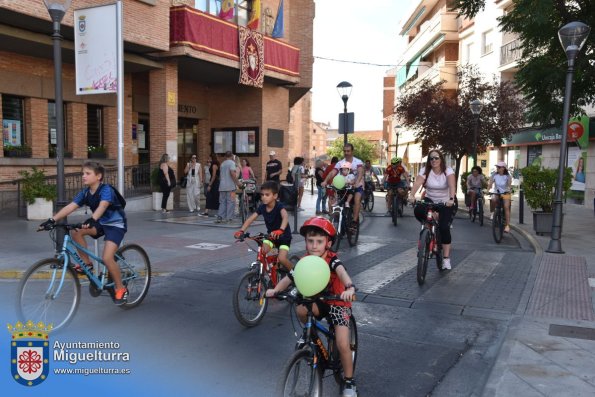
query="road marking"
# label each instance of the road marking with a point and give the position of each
(207, 246)
(376, 277)
(592, 282)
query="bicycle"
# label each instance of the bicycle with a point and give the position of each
(246, 199)
(50, 290)
(368, 197)
(429, 244)
(249, 301)
(498, 219)
(477, 211)
(342, 219)
(303, 372)
(397, 206)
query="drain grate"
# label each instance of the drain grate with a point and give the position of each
(569, 331)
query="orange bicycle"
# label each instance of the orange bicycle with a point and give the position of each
(249, 301)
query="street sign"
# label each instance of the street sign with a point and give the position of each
(350, 122)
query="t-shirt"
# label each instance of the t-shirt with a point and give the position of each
(273, 219)
(475, 182)
(114, 215)
(356, 166)
(318, 172)
(335, 286)
(437, 185)
(393, 174)
(328, 171)
(272, 167)
(227, 184)
(501, 183)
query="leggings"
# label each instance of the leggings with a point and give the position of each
(166, 190)
(443, 222)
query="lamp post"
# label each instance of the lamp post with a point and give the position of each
(57, 10)
(572, 36)
(396, 140)
(476, 107)
(344, 90)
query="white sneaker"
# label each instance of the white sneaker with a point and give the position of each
(492, 217)
(350, 392)
(446, 264)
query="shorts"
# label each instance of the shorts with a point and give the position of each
(338, 315)
(506, 196)
(111, 233)
(281, 244)
(359, 190)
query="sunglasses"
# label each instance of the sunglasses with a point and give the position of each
(434, 158)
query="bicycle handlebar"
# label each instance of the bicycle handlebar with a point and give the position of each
(67, 226)
(258, 237)
(294, 296)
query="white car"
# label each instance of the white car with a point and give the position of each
(379, 171)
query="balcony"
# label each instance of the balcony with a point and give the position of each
(444, 71)
(206, 38)
(510, 52)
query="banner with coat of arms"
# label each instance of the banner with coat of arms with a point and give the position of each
(251, 57)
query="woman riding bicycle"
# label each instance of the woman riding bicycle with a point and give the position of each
(501, 183)
(393, 177)
(439, 182)
(475, 182)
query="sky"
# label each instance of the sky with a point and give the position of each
(359, 31)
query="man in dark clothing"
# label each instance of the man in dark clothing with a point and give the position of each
(273, 168)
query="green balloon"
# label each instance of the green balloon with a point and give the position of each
(311, 275)
(339, 182)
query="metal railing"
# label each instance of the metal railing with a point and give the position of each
(137, 182)
(510, 52)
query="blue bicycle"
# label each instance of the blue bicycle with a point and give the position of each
(50, 290)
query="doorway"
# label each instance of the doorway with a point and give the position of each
(143, 139)
(187, 141)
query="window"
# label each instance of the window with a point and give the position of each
(243, 8)
(95, 125)
(242, 141)
(13, 126)
(53, 125)
(533, 153)
(468, 52)
(208, 6)
(241, 13)
(487, 42)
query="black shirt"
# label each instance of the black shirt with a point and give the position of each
(319, 179)
(272, 167)
(273, 219)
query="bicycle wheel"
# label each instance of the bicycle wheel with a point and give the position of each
(371, 202)
(249, 302)
(48, 292)
(299, 376)
(480, 211)
(136, 273)
(335, 220)
(497, 227)
(351, 228)
(244, 207)
(400, 206)
(423, 254)
(394, 210)
(353, 345)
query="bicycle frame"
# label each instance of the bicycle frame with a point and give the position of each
(310, 337)
(265, 262)
(339, 205)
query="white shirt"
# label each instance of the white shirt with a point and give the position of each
(501, 183)
(355, 163)
(437, 185)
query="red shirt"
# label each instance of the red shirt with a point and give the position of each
(335, 286)
(393, 174)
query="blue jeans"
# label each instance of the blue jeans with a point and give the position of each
(320, 198)
(227, 205)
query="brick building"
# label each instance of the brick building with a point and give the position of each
(181, 90)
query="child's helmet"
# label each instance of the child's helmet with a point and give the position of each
(346, 164)
(321, 223)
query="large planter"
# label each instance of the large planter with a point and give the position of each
(542, 222)
(41, 209)
(96, 155)
(157, 196)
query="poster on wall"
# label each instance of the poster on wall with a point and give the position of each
(578, 132)
(576, 162)
(246, 142)
(11, 132)
(534, 155)
(223, 141)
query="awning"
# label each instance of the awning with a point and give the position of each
(432, 46)
(402, 76)
(413, 67)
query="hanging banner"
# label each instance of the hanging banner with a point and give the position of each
(95, 41)
(578, 131)
(251, 57)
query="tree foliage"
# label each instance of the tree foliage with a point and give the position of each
(443, 119)
(543, 66)
(362, 148)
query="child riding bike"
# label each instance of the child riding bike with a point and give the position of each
(395, 175)
(349, 181)
(276, 220)
(108, 219)
(475, 182)
(319, 233)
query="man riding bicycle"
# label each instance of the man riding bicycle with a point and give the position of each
(395, 176)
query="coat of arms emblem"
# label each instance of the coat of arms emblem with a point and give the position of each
(29, 352)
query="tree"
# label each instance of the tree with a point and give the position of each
(362, 148)
(543, 66)
(443, 119)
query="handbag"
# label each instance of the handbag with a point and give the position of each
(184, 182)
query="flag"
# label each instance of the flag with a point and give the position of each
(255, 19)
(226, 11)
(278, 29)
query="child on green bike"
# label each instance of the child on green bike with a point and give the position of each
(276, 220)
(319, 233)
(108, 219)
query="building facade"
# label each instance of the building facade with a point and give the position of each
(181, 90)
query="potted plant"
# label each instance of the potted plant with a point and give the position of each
(53, 153)
(156, 192)
(37, 193)
(539, 185)
(96, 152)
(17, 150)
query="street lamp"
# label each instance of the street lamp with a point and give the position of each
(344, 90)
(476, 107)
(57, 9)
(572, 36)
(396, 140)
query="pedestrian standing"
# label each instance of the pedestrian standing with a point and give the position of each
(207, 174)
(167, 180)
(273, 168)
(195, 175)
(321, 198)
(213, 186)
(298, 170)
(228, 184)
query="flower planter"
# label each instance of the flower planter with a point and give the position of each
(41, 209)
(17, 153)
(96, 155)
(542, 222)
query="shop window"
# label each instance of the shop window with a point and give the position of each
(53, 128)
(13, 125)
(534, 154)
(241, 141)
(95, 126)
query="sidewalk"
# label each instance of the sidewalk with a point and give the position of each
(549, 349)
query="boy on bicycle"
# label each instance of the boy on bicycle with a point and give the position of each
(320, 233)
(393, 177)
(108, 219)
(276, 220)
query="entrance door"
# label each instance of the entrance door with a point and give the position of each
(142, 134)
(187, 141)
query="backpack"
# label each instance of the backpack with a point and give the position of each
(121, 199)
(289, 177)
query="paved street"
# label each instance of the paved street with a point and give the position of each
(442, 338)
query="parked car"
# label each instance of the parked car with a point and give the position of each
(379, 171)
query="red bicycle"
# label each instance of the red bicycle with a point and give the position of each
(249, 301)
(429, 244)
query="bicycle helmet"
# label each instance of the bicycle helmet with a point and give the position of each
(346, 164)
(395, 160)
(321, 223)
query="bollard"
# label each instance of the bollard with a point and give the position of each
(296, 185)
(521, 205)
